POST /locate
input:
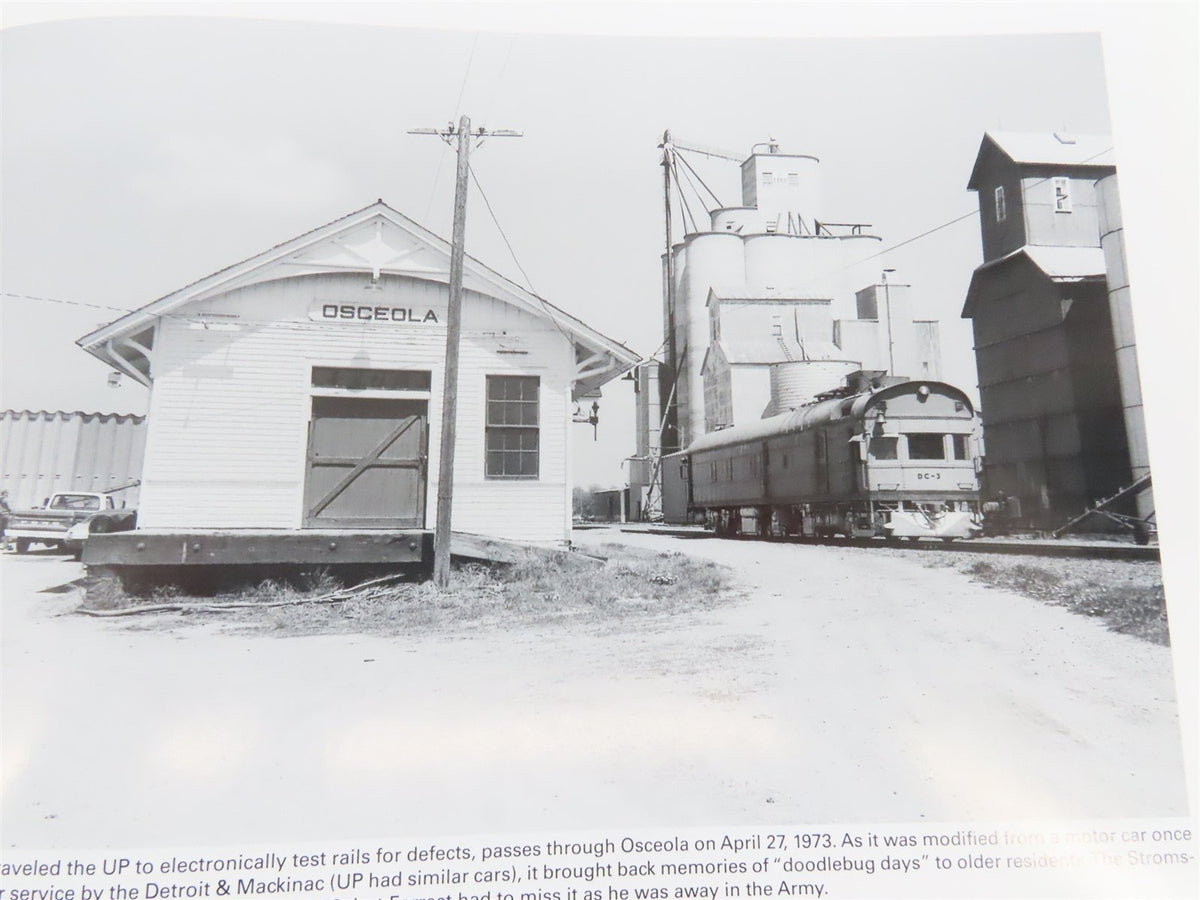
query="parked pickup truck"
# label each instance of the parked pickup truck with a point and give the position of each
(66, 519)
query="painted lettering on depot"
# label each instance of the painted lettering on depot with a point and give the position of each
(352, 312)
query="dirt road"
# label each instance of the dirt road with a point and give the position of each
(843, 688)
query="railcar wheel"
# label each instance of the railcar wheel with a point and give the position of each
(23, 545)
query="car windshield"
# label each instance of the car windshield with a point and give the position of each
(75, 501)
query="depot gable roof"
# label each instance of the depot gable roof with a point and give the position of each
(379, 240)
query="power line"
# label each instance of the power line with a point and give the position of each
(66, 302)
(973, 212)
(437, 172)
(499, 79)
(918, 237)
(195, 318)
(499, 227)
(466, 76)
(545, 306)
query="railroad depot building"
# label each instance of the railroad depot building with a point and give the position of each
(301, 391)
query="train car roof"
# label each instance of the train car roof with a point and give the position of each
(817, 413)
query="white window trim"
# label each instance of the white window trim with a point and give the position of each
(1001, 205)
(487, 429)
(382, 393)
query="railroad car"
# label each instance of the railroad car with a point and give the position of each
(898, 460)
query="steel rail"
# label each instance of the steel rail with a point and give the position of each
(1061, 550)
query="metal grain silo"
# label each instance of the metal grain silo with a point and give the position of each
(1112, 242)
(811, 265)
(738, 219)
(795, 383)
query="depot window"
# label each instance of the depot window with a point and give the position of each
(962, 448)
(511, 431)
(926, 446)
(1001, 207)
(884, 447)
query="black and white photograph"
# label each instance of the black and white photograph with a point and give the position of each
(598, 451)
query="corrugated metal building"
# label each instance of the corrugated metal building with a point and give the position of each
(44, 452)
(1051, 398)
(301, 389)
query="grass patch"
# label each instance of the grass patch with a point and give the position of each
(541, 588)
(1134, 604)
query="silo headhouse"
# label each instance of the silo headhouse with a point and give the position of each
(296, 397)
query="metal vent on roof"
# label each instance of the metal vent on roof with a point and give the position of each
(1063, 138)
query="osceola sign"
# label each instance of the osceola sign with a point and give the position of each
(361, 312)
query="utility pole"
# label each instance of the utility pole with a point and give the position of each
(441, 535)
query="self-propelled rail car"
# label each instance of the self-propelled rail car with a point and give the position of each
(898, 461)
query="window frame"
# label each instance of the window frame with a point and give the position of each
(1062, 198)
(931, 435)
(879, 441)
(1001, 205)
(493, 429)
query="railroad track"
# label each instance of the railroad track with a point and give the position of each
(1059, 549)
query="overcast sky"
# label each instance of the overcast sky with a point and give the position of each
(140, 154)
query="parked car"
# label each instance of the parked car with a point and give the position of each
(66, 519)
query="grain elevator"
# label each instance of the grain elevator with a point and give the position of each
(766, 305)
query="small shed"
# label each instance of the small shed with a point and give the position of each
(301, 389)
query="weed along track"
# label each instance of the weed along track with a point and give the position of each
(537, 589)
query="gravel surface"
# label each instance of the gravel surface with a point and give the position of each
(839, 687)
(1127, 595)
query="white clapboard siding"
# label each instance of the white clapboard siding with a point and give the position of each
(230, 405)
